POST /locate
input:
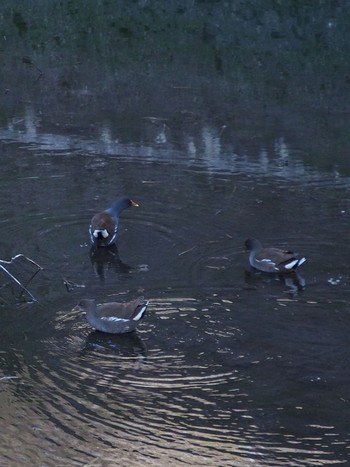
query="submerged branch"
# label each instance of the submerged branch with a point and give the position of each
(14, 278)
(71, 285)
(20, 255)
(4, 378)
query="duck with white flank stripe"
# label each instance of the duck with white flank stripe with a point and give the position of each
(271, 259)
(113, 317)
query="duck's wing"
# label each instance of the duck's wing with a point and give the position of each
(292, 260)
(133, 310)
(104, 221)
(103, 229)
(276, 259)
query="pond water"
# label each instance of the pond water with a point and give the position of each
(227, 368)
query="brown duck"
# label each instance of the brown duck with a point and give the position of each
(104, 225)
(272, 259)
(113, 317)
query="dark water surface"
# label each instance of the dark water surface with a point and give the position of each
(227, 368)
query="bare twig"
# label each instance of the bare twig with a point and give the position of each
(8, 377)
(24, 288)
(187, 251)
(17, 282)
(71, 285)
(20, 255)
(30, 280)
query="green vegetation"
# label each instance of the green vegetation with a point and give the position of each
(282, 48)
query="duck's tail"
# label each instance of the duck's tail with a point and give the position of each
(140, 310)
(294, 263)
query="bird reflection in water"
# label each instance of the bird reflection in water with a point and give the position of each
(123, 345)
(294, 281)
(106, 259)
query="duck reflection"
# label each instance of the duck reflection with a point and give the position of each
(104, 259)
(125, 345)
(294, 282)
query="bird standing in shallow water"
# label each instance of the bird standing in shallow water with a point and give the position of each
(113, 317)
(272, 259)
(104, 225)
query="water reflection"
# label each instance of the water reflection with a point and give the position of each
(105, 259)
(198, 145)
(129, 345)
(217, 374)
(155, 130)
(294, 282)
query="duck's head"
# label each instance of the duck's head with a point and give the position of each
(252, 244)
(122, 203)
